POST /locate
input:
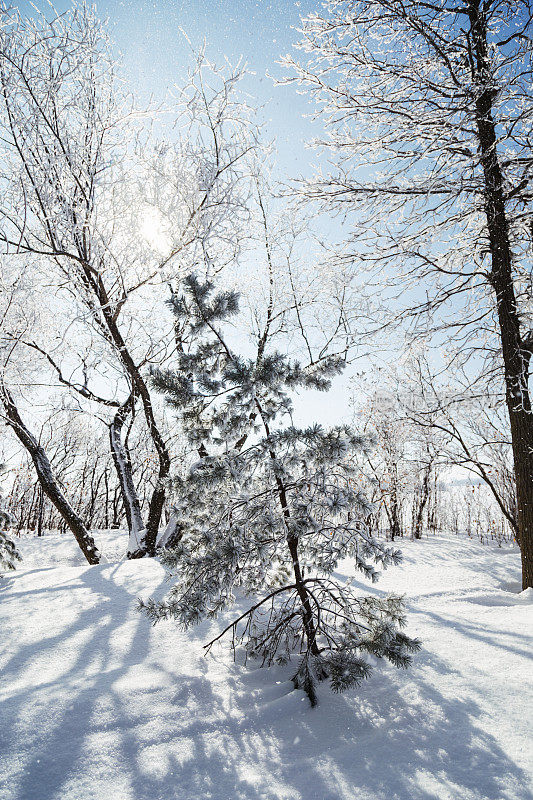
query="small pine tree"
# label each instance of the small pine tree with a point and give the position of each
(270, 509)
(9, 554)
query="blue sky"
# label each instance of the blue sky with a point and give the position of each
(155, 55)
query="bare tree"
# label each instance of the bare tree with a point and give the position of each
(407, 453)
(46, 477)
(387, 460)
(74, 159)
(17, 315)
(474, 433)
(428, 108)
(81, 461)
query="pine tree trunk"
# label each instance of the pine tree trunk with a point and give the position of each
(516, 356)
(292, 543)
(303, 594)
(308, 619)
(46, 478)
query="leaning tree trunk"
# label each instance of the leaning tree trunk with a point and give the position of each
(47, 480)
(516, 350)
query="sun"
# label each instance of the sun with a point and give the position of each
(152, 229)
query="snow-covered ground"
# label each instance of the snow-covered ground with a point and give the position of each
(97, 705)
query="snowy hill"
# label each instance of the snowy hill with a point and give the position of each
(97, 705)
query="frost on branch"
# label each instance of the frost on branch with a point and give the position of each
(269, 509)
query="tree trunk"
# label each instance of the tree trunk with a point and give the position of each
(157, 500)
(516, 355)
(46, 478)
(130, 499)
(115, 523)
(94, 282)
(172, 534)
(106, 500)
(40, 513)
(433, 503)
(303, 594)
(308, 621)
(423, 497)
(395, 514)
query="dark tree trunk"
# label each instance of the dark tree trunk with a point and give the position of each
(157, 500)
(422, 498)
(47, 481)
(515, 351)
(40, 513)
(115, 523)
(308, 618)
(433, 505)
(95, 491)
(106, 500)
(94, 283)
(303, 594)
(32, 510)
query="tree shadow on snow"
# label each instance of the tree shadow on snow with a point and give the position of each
(124, 722)
(87, 735)
(388, 742)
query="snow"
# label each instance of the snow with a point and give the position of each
(97, 705)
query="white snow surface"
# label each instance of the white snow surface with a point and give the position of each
(95, 704)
